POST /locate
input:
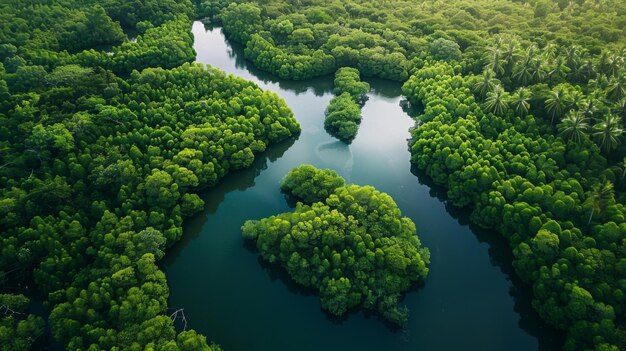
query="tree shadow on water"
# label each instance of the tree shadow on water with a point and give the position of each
(501, 256)
(319, 85)
(213, 197)
(276, 272)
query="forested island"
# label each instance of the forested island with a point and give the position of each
(343, 114)
(349, 242)
(108, 132)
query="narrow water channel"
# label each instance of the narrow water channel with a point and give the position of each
(470, 300)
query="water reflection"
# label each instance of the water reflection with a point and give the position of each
(319, 86)
(336, 154)
(236, 181)
(500, 256)
(470, 299)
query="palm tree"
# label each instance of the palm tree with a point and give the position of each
(509, 56)
(573, 57)
(550, 51)
(576, 99)
(589, 107)
(523, 70)
(559, 71)
(486, 84)
(495, 61)
(620, 107)
(617, 87)
(603, 62)
(574, 126)
(615, 64)
(496, 101)
(537, 71)
(607, 132)
(519, 101)
(621, 169)
(601, 196)
(585, 71)
(556, 102)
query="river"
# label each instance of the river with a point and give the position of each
(471, 299)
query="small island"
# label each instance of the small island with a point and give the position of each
(343, 114)
(348, 242)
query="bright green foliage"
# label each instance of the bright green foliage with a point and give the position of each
(120, 165)
(387, 39)
(348, 80)
(309, 184)
(97, 171)
(343, 114)
(546, 195)
(354, 247)
(343, 117)
(607, 131)
(444, 49)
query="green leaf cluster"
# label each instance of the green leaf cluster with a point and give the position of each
(353, 246)
(101, 156)
(552, 199)
(387, 39)
(343, 114)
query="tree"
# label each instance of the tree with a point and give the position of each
(608, 131)
(559, 70)
(446, 50)
(348, 80)
(352, 246)
(519, 101)
(486, 83)
(302, 35)
(510, 55)
(600, 196)
(310, 184)
(574, 126)
(495, 61)
(556, 103)
(343, 116)
(523, 71)
(497, 101)
(617, 87)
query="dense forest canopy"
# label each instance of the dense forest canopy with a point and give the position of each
(107, 130)
(523, 123)
(343, 114)
(100, 161)
(303, 39)
(348, 242)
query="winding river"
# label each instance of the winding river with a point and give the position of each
(471, 299)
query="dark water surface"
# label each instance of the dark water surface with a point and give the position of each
(470, 300)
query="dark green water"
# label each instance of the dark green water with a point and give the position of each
(470, 300)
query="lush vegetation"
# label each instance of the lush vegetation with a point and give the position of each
(18, 329)
(523, 106)
(309, 184)
(105, 135)
(100, 162)
(348, 80)
(353, 245)
(304, 39)
(550, 193)
(343, 114)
